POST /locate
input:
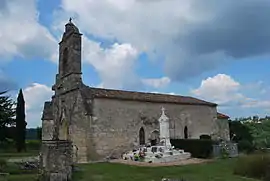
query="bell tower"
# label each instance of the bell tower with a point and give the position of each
(69, 68)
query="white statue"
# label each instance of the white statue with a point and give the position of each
(164, 129)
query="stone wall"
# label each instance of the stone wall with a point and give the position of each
(77, 123)
(56, 160)
(224, 130)
(115, 125)
(47, 129)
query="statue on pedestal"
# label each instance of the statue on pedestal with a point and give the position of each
(164, 129)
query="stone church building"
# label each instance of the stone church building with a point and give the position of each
(104, 122)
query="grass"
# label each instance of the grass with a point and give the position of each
(18, 155)
(14, 154)
(221, 170)
(13, 169)
(26, 177)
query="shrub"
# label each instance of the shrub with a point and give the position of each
(253, 166)
(3, 164)
(245, 146)
(199, 148)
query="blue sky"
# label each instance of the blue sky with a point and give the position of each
(216, 51)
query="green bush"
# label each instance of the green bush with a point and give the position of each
(199, 148)
(7, 146)
(253, 166)
(245, 146)
(3, 164)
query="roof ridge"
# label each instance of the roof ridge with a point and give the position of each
(144, 96)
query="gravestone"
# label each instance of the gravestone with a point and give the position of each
(56, 160)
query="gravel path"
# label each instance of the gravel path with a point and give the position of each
(182, 162)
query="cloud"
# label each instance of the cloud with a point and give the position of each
(226, 91)
(193, 36)
(115, 64)
(35, 95)
(21, 34)
(157, 83)
(220, 88)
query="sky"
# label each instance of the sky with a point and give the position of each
(217, 51)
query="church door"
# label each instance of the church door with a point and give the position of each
(186, 132)
(142, 136)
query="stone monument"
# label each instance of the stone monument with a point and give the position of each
(164, 151)
(56, 158)
(164, 129)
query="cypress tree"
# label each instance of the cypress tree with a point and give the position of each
(20, 123)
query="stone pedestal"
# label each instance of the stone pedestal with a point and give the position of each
(56, 160)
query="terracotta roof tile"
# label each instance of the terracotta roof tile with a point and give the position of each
(91, 92)
(222, 116)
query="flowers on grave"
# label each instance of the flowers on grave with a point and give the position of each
(159, 155)
(136, 157)
(225, 149)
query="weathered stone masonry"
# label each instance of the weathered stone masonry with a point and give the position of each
(105, 122)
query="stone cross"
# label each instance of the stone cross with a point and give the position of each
(163, 110)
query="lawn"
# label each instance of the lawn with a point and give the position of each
(221, 170)
(14, 154)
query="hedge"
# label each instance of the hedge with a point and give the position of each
(199, 148)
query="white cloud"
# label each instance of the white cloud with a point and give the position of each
(157, 83)
(35, 95)
(184, 31)
(21, 34)
(220, 88)
(224, 90)
(115, 65)
(170, 93)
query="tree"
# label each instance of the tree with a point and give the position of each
(39, 133)
(20, 122)
(7, 113)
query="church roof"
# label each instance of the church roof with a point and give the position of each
(144, 96)
(222, 116)
(91, 92)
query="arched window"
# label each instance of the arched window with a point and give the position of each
(142, 136)
(65, 60)
(186, 132)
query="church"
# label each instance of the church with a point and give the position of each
(106, 122)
